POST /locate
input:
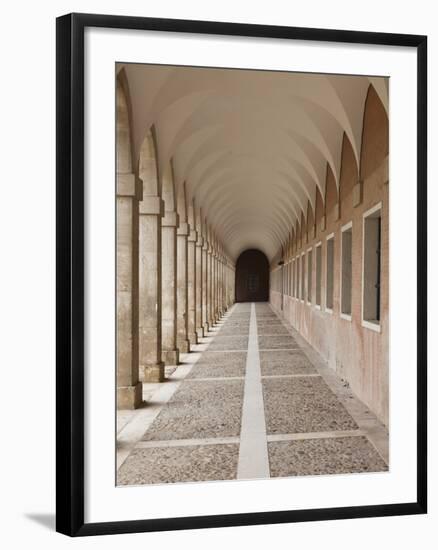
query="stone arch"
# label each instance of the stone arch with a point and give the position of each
(331, 194)
(168, 193)
(148, 165)
(124, 153)
(349, 175)
(375, 134)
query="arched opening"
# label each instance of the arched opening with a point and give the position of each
(252, 277)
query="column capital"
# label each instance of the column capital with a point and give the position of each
(170, 219)
(200, 241)
(183, 229)
(193, 236)
(126, 185)
(151, 205)
(205, 245)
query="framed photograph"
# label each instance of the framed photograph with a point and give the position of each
(241, 274)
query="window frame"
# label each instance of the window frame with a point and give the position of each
(318, 306)
(330, 237)
(376, 327)
(344, 228)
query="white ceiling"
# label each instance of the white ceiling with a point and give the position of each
(251, 146)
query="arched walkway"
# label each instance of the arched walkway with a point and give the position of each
(252, 273)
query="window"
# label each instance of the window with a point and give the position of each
(297, 277)
(293, 279)
(318, 275)
(330, 272)
(303, 277)
(309, 276)
(371, 272)
(346, 270)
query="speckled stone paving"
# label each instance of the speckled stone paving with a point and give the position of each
(198, 431)
(284, 362)
(215, 365)
(273, 330)
(200, 410)
(338, 455)
(303, 405)
(229, 343)
(178, 464)
(277, 342)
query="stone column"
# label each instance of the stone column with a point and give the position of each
(210, 287)
(170, 352)
(151, 368)
(221, 287)
(129, 388)
(204, 286)
(216, 289)
(198, 317)
(191, 286)
(182, 340)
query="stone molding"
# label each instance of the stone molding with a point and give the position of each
(183, 229)
(193, 236)
(170, 219)
(126, 185)
(151, 206)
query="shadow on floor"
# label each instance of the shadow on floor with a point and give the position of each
(46, 520)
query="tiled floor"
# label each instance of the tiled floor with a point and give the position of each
(248, 403)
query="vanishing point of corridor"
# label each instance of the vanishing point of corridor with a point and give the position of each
(253, 400)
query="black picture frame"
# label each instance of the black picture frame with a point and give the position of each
(70, 272)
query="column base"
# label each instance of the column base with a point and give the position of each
(130, 397)
(170, 357)
(152, 373)
(193, 339)
(184, 346)
(200, 333)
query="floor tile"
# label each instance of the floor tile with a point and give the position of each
(179, 464)
(217, 364)
(200, 410)
(285, 362)
(341, 455)
(301, 405)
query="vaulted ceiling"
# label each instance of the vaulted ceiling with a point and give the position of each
(251, 146)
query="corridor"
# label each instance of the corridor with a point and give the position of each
(252, 400)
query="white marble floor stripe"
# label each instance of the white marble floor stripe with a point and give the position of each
(312, 374)
(253, 452)
(315, 435)
(187, 442)
(279, 349)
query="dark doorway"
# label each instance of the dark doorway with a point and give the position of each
(252, 277)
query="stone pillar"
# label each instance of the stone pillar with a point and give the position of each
(204, 286)
(191, 286)
(210, 287)
(216, 289)
(151, 368)
(221, 287)
(170, 352)
(182, 340)
(198, 317)
(129, 388)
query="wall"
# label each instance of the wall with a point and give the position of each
(28, 246)
(357, 353)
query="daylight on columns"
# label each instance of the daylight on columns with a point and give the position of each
(252, 262)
